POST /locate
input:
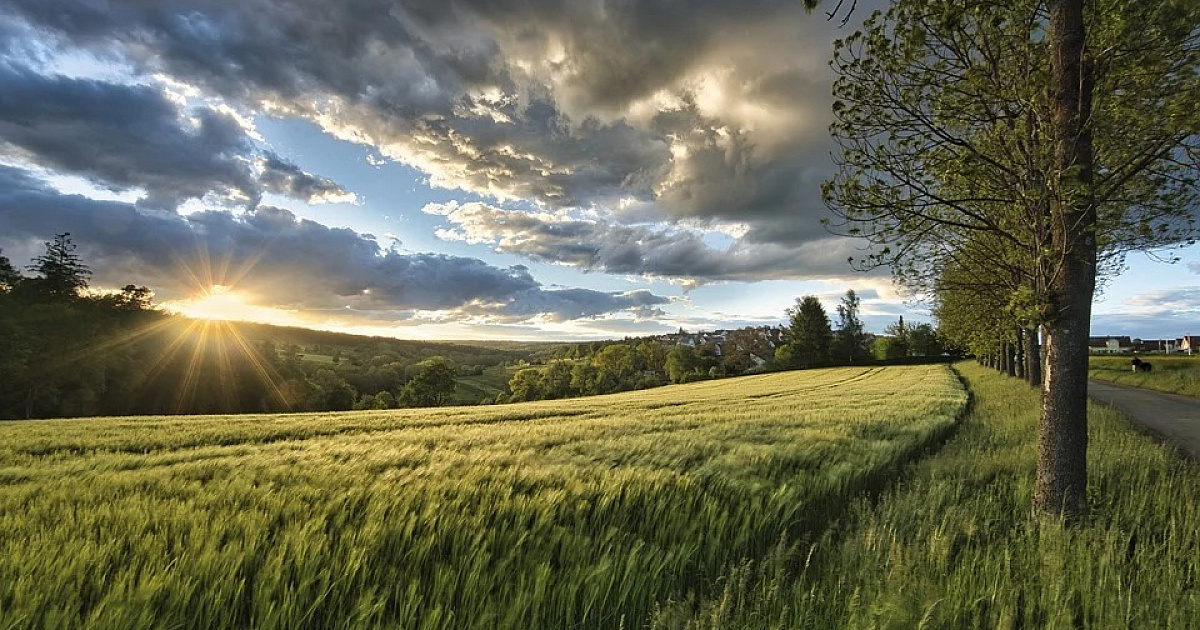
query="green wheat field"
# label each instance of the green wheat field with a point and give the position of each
(848, 497)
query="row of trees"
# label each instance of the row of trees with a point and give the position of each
(812, 340)
(1001, 156)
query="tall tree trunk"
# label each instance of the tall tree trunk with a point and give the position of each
(1010, 358)
(1033, 357)
(1062, 437)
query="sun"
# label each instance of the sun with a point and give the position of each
(218, 303)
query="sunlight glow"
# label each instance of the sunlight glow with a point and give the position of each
(222, 303)
(217, 303)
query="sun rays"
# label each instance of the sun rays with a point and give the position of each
(203, 361)
(222, 303)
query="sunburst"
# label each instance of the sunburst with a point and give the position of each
(206, 352)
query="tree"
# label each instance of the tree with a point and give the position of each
(526, 385)
(335, 394)
(850, 341)
(811, 333)
(556, 380)
(618, 364)
(653, 355)
(62, 275)
(923, 341)
(681, 361)
(385, 400)
(947, 131)
(9, 276)
(897, 344)
(586, 379)
(431, 385)
(741, 349)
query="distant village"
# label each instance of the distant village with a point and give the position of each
(1130, 345)
(772, 336)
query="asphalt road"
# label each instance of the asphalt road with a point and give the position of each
(1174, 418)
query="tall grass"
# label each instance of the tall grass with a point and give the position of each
(1173, 374)
(955, 546)
(565, 514)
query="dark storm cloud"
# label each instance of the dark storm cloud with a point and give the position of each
(133, 136)
(678, 254)
(284, 178)
(281, 260)
(567, 304)
(708, 110)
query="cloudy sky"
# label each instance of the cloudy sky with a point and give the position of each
(452, 168)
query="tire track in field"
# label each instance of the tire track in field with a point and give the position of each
(306, 434)
(861, 376)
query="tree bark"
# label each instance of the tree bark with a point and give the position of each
(1010, 358)
(1062, 437)
(1033, 357)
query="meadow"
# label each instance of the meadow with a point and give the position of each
(1172, 374)
(586, 513)
(955, 545)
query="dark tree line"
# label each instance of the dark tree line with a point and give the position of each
(67, 350)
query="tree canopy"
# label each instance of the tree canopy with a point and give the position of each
(1014, 150)
(811, 335)
(61, 273)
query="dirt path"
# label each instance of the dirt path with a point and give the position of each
(1174, 418)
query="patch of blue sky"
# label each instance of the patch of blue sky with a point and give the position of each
(391, 196)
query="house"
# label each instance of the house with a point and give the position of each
(1109, 345)
(1190, 344)
(1163, 346)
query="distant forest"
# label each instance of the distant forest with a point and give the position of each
(66, 350)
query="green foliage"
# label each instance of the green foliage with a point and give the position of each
(587, 513)
(526, 385)
(9, 276)
(896, 344)
(745, 350)
(681, 361)
(61, 275)
(556, 380)
(785, 355)
(811, 334)
(336, 393)
(953, 545)
(110, 352)
(947, 158)
(587, 380)
(652, 355)
(890, 348)
(923, 341)
(431, 385)
(850, 340)
(619, 362)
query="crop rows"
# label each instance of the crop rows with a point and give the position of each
(578, 513)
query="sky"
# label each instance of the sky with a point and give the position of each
(454, 169)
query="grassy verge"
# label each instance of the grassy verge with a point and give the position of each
(1175, 375)
(955, 546)
(579, 513)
